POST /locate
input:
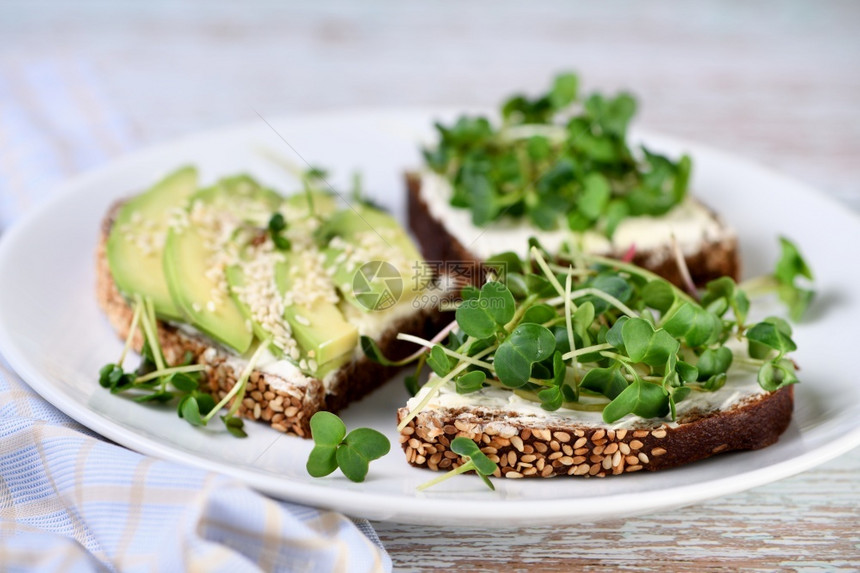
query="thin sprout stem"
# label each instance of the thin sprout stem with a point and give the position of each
(457, 355)
(759, 285)
(151, 336)
(569, 270)
(625, 362)
(470, 465)
(436, 339)
(521, 311)
(434, 386)
(168, 371)
(635, 270)
(586, 350)
(599, 294)
(240, 383)
(578, 406)
(134, 320)
(683, 269)
(748, 360)
(568, 322)
(546, 270)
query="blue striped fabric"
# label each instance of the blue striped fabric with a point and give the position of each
(70, 501)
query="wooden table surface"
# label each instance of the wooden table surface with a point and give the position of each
(777, 82)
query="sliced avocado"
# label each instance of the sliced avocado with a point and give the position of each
(324, 204)
(236, 278)
(188, 258)
(319, 328)
(136, 241)
(374, 286)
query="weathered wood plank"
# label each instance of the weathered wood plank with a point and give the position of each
(803, 522)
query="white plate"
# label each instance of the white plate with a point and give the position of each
(53, 334)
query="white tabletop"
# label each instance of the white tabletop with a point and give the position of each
(775, 82)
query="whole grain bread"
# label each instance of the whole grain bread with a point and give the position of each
(286, 405)
(547, 448)
(714, 258)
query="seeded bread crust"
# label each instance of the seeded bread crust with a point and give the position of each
(714, 259)
(285, 405)
(548, 449)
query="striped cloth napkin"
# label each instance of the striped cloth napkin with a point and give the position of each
(70, 501)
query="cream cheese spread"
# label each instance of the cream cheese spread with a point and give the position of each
(740, 387)
(691, 223)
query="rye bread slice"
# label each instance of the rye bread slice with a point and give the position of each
(713, 259)
(547, 448)
(286, 405)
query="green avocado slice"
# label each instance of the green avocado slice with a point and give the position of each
(319, 327)
(135, 245)
(395, 273)
(196, 256)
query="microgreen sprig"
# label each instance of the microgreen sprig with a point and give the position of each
(154, 381)
(600, 334)
(473, 460)
(277, 226)
(334, 448)
(789, 280)
(561, 158)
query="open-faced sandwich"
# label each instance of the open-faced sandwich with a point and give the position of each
(596, 367)
(611, 336)
(559, 167)
(238, 295)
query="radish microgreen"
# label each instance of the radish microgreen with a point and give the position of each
(599, 334)
(334, 448)
(154, 381)
(277, 226)
(561, 158)
(473, 460)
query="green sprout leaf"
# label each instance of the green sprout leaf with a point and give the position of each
(659, 295)
(789, 268)
(334, 448)
(183, 382)
(772, 335)
(235, 426)
(322, 460)
(775, 375)
(614, 336)
(607, 381)
(411, 384)
(327, 429)
(527, 344)
(467, 448)
(726, 291)
(361, 446)
(645, 345)
(190, 410)
(482, 317)
(564, 90)
(470, 382)
(438, 361)
(539, 314)
(277, 226)
(473, 460)
(641, 398)
(695, 325)
(714, 361)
